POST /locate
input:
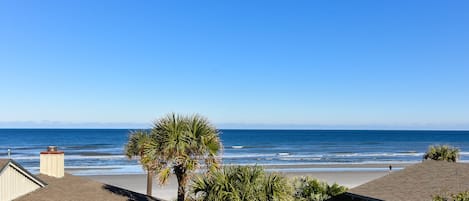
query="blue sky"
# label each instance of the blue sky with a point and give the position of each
(243, 64)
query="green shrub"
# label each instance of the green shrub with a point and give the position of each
(241, 183)
(463, 196)
(440, 198)
(442, 153)
(310, 189)
(252, 183)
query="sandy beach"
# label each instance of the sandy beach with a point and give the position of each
(349, 175)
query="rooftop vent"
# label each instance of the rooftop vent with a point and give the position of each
(52, 148)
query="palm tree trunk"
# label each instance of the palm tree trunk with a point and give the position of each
(181, 177)
(149, 182)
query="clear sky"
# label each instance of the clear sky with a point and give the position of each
(243, 64)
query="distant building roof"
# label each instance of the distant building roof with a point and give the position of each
(15, 181)
(72, 188)
(416, 183)
(77, 188)
(3, 163)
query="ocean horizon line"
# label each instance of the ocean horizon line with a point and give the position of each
(253, 129)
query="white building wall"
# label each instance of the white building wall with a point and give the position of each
(14, 184)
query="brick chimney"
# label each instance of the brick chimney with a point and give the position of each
(52, 162)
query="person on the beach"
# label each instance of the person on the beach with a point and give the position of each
(390, 168)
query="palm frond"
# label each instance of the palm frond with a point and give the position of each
(310, 189)
(241, 183)
(164, 174)
(136, 144)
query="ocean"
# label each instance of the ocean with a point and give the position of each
(100, 151)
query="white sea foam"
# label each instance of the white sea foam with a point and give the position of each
(293, 156)
(74, 157)
(373, 154)
(249, 155)
(103, 167)
(300, 159)
(328, 169)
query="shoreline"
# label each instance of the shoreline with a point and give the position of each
(338, 165)
(285, 168)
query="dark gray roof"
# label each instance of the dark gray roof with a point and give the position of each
(3, 163)
(417, 183)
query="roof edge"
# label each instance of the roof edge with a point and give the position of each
(353, 195)
(34, 178)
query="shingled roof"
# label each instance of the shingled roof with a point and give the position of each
(3, 163)
(416, 183)
(74, 188)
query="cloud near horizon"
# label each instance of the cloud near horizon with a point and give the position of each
(140, 125)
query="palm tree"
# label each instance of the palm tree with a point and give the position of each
(442, 153)
(179, 143)
(135, 147)
(241, 183)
